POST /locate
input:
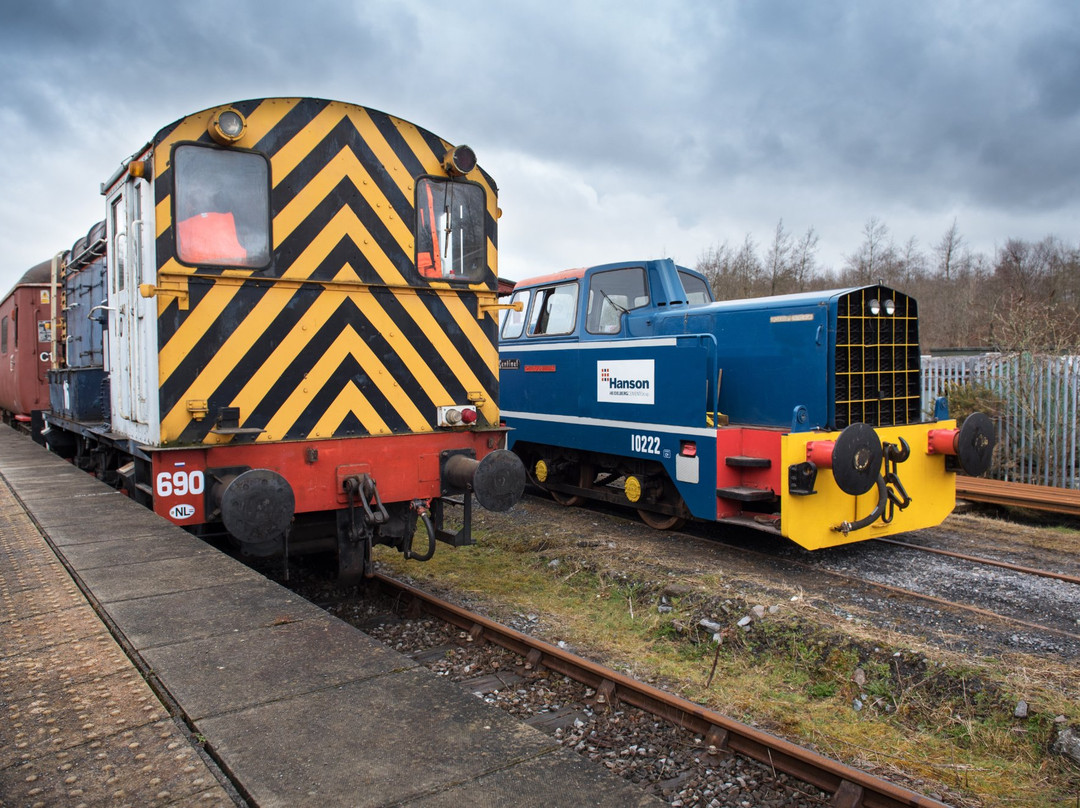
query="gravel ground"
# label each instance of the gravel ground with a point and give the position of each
(673, 764)
(1030, 598)
(668, 762)
(781, 570)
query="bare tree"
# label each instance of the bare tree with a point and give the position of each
(778, 259)
(1026, 296)
(1036, 326)
(1022, 265)
(746, 268)
(1035, 304)
(911, 265)
(1062, 272)
(804, 262)
(715, 265)
(866, 265)
(948, 249)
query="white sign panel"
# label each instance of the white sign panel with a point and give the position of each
(625, 381)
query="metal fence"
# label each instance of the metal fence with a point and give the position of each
(1035, 402)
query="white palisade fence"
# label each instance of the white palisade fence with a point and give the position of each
(1036, 400)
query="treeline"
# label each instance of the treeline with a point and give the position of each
(1025, 297)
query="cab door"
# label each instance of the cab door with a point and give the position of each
(132, 317)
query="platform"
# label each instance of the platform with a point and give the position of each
(140, 666)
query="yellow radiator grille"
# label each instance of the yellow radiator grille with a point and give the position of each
(877, 359)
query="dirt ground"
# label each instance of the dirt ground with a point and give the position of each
(768, 571)
(830, 648)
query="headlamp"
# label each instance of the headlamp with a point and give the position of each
(226, 127)
(459, 161)
(874, 306)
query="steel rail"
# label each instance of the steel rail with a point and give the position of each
(1004, 618)
(990, 562)
(1019, 495)
(850, 787)
(910, 593)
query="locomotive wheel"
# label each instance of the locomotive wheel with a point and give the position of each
(567, 500)
(661, 521)
(586, 475)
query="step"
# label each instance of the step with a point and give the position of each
(744, 493)
(746, 462)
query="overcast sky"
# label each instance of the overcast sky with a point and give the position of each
(615, 129)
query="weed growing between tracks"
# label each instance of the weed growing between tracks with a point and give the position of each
(944, 724)
(1036, 531)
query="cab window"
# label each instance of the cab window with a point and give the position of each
(514, 321)
(3, 335)
(118, 221)
(554, 310)
(697, 291)
(450, 242)
(612, 294)
(222, 207)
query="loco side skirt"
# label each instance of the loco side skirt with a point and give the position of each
(748, 491)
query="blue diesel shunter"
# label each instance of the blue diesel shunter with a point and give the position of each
(796, 414)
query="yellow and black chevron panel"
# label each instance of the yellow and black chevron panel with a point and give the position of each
(340, 335)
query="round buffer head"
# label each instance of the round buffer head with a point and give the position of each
(975, 443)
(856, 459)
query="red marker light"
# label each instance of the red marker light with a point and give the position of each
(468, 416)
(689, 448)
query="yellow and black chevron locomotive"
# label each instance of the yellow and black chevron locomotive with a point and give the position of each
(301, 317)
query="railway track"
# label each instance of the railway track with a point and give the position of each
(1020, 495)
(990, 562)
(843, 785)
(850, 580)
(892, 590)
(937, 602)
(847, 787)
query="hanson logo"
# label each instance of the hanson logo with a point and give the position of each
(627, 381)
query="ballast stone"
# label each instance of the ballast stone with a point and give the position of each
(1067, 743)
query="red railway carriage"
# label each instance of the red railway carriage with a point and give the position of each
(26, 345)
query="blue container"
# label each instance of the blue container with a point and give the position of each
(76, 393)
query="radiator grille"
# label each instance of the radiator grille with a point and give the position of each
(877, 360)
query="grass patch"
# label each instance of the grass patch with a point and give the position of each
(799, 672)
(1046, 533)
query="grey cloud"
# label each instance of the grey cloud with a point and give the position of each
(713, 112)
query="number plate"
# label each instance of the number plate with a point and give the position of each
(645, 444)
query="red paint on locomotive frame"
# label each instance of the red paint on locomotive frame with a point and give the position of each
(404, 467)
(744, 442)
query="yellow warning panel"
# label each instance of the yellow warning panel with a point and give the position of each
(814, 520)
